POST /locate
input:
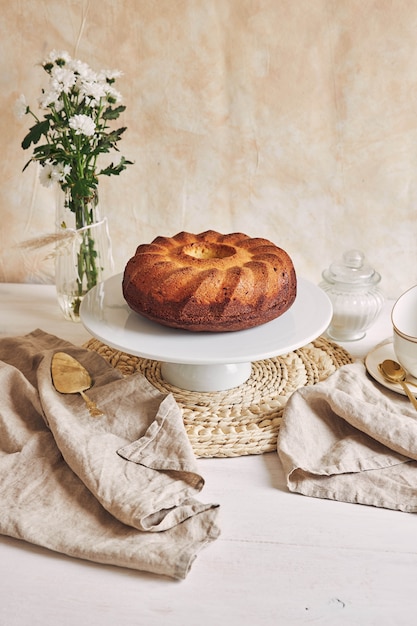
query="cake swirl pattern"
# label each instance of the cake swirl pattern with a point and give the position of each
(210, 281)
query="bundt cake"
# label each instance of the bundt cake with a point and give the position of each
(210, 282)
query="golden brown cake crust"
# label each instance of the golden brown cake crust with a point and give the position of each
(210, 282)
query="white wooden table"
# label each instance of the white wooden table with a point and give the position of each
(281, 559)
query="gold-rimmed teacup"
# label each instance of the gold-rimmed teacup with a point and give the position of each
(404, 322)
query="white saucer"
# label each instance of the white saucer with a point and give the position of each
(377, 355)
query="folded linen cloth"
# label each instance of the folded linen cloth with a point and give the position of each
(118, 489)
(350, 439)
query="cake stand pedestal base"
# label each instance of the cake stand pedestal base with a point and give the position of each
(217, 377)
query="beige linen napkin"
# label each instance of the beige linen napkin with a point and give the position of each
(117, 489)
(350, 439)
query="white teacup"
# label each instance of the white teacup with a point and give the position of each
(404, 321)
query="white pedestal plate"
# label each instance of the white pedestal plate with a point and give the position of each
(203, 361)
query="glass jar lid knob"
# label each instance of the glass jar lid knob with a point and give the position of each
(352, 269)
(353, 258)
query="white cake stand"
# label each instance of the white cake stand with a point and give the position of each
(203, 361)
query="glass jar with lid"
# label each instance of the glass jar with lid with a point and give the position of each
(357, 301)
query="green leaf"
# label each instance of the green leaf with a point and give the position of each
(35, 133)
(27, 164)
(82, 188)
(107, 142)
(115, 169)
(113, 113)
(44, 152)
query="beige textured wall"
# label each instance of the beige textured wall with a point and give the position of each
(290, 119)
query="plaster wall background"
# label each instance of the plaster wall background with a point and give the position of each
(287, 119)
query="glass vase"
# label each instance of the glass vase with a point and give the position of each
(83, 253)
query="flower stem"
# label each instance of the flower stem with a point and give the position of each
(85, 215)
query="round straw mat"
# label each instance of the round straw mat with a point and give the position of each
(246, 419)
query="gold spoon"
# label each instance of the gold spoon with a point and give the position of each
(69, 376)
(394, 373)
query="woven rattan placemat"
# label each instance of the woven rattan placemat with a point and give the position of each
(246, 419)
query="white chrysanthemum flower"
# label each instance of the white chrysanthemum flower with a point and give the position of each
(83, 125)
(56, 55)
(113, 96)
(58, 105)
(92, 90)
(21, 107)
(47, 174)
(62, 79)
(83, 70)
(110, 75)
(61, 171)
(49, 97)
(51, 173)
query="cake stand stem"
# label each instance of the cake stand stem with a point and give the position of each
(216, 377)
